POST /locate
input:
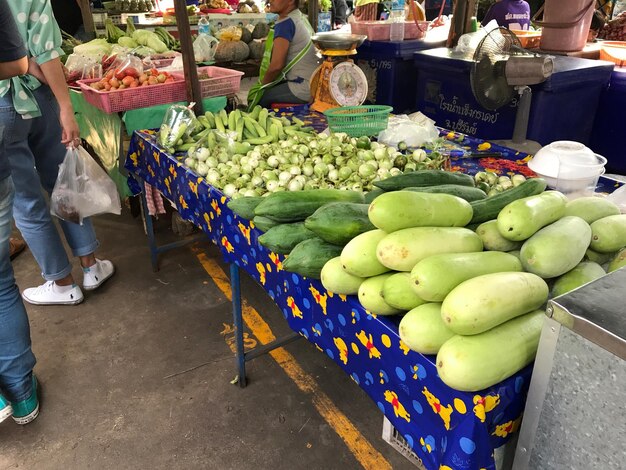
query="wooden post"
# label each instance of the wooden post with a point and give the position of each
(189, 61)
(313, 7)
(85, 10)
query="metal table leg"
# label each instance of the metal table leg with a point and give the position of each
(150, 231)
(238, 322)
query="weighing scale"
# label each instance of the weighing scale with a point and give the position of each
(338, 81)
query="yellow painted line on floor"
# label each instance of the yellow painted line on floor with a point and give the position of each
(360, 447)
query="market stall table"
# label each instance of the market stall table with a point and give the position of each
(443, 426)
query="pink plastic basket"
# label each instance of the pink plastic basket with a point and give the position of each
(133, 98)
(380, 30)
(221, 81)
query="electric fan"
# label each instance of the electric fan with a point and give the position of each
(501, 68)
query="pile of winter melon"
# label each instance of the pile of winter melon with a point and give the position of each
(474, 276)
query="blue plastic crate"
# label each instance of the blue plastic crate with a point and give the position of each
(563, 107)
(394, 69)
(608, 129)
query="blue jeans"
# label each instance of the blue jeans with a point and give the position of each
(16, 358)
(35, 152)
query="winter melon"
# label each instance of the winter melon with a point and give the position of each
(423, 330)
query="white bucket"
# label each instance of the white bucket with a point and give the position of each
(565, 26)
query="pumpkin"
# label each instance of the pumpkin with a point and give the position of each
(231, 51)
(246, 35)
(261, 30)
(257, 47)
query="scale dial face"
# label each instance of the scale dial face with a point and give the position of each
(348, 84)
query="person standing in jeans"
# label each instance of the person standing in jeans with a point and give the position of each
(18, 385)
(43, 125)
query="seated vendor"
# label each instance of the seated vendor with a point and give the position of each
(293, 58)
(513, 14)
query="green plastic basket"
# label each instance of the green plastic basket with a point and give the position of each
(358, 121)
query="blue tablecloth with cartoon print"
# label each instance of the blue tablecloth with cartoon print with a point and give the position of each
(446, 428)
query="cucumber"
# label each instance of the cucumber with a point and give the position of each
(492, 240)
(403, 249)
(264, 223)
(557, 248)
(473, 363)
(423, 330)
(468, 193)
(488, 209)
(609, 233)
(295, 206)
(339, 222)
(404, 209)
(434, 277)
(599, 258)
(373, 194)
(424, 178)
(283, 238)
(591, 208)
(483, 302)
(520, 219)
(336, 280)
(309, 257)
(370, 296)
(244, 206)
(585, 272)
(359, 256)
(398, 293)
(618, 262)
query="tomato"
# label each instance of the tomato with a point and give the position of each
(131, 72)
(110, 74)
(161, 78)
(127, 80)
(119, 74)
(114, 82)
(153, 81)
(143, 78)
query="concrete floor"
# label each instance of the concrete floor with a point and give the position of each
(108, 402)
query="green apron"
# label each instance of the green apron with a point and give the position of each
(258, 89)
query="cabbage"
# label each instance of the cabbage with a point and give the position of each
(96, 48)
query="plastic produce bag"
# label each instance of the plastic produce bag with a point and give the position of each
(204, 48)
(178, 123)
(468, 43)
(129, 65)
(82, 189)
(618, 197)
(404, 129)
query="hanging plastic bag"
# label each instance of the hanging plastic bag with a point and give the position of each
(82, 189)
(204, 48)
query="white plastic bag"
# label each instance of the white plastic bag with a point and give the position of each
(404, 129)
(467, 44)
(82, 189)
(618, 197)
(204, 48)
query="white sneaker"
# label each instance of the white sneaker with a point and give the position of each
(49, 294)
(97, 274)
